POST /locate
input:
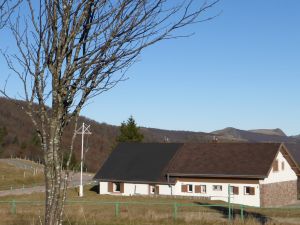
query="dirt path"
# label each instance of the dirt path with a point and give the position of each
(29, 165)
(86, 179)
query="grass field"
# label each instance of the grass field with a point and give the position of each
(101, 210)
(14, 177)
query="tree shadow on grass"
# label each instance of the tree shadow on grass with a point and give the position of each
(236, 213)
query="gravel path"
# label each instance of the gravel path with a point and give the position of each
(26, 164)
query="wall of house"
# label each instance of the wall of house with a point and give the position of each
(165, 189)
(134, 189)
(240, 198)
(280, 187)
(298, 188)
(175, 190)
(286, 174)
(103, 188)
(278, 194)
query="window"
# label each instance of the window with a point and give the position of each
(186, 188)
(200, 188)
(282, 165)
(217, 187)
(234, 190)
(203, 188)
(231, 190)
(152, 189)
(249, 190)
(275, 166)
(117, 187)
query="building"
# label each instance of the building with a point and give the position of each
(255, 174)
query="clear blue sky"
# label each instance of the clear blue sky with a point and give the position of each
(241, 69)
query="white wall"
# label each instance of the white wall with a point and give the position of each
(143, 189)
(241, 198)
(165, 189)
(134, 189)
(103, 188)
(286, 174)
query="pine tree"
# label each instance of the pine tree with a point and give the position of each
(130, 132)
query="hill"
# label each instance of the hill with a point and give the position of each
(260, 135)
(18, 138)
(276, 131)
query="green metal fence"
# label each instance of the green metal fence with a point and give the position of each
(173, 209)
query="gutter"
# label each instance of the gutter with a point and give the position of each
(216, 175)
(133, 181)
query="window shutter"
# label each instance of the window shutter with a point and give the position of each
(157, 189)
(183, 188)
(235, 190)
(197, 188)
(122, 187)
(110, 187)
(252, 191)
(275, 165)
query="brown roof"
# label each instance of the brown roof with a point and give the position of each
(242, 160)
(164, 163)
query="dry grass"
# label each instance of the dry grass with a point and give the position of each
(11, 176)
(140, 210)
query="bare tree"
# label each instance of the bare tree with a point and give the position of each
(6, 9)
(73, 50)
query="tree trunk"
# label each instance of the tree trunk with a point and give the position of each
(54, 178)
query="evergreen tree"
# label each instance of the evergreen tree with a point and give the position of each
(35, 140)
(130, 132)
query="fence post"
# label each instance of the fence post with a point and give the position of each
(242, 212)
(175, 211)
(117, 204)
(13, 207)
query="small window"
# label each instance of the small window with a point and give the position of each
(282, 165)
(117, 187)
(249, 190)
(152, 189)
(200, 188)
(275, 166)
(190, 188)
(234, 190)
(231, 190)
(203, 188)
(217, 187)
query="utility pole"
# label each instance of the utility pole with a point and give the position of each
(84, 129)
